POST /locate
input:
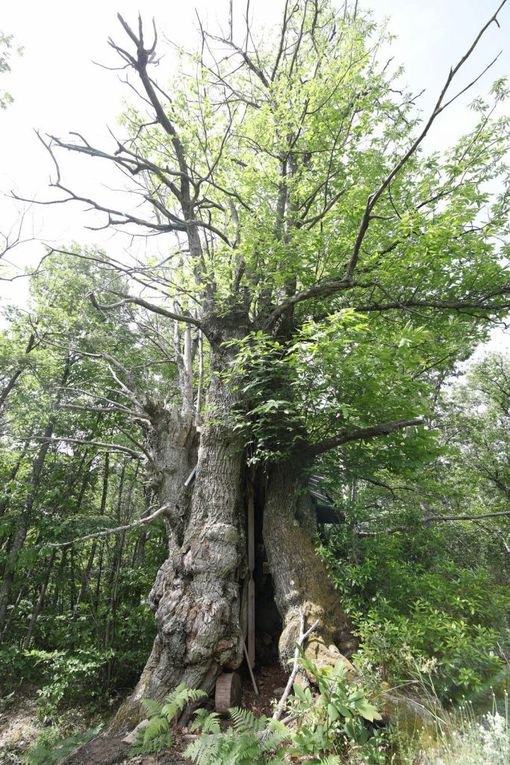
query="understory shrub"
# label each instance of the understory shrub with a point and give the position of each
(453, 659)
(425, 619)
(68, 678)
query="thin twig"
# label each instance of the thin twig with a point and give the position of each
(250, 670)
(303, 636)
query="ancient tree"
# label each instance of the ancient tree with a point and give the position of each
(322, 272)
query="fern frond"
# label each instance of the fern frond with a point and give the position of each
(332, 759)
(245, 721)
(275, 734)
(204, 751)
(157, 727)
(151, 707)
(155, 737)
(250, 740)
(247, 751)
(206, 722)
(177, 700)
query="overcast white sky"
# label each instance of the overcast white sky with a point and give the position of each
(57, 87)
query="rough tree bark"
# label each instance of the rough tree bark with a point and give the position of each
(170, 440)
(301, 583)
(197, 593)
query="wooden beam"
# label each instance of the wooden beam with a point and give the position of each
(251, 567)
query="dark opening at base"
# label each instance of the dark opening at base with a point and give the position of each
(268, 623)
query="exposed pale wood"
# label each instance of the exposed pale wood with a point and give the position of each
(252, 676)
(228, 691)
(303, 635)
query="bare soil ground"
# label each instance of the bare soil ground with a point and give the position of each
(19, 728)
(271, 682)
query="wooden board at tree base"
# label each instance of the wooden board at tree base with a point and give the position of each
(228, 691)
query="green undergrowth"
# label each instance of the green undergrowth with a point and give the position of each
(423, 619)
(335, 724)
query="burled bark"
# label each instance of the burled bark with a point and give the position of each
(301, 582)
(170, 441)
(198, 612)
(197, 593)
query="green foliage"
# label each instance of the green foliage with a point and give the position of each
(323, 728)
(68, 678)
(155, 737)
(288, 190)
(89, 600)
(157, 734)
(419, 596)
(269, 418)
(335, 721)
(249, 740)
(426, 618)
(63, 678)
(297, 392)
(431, 649)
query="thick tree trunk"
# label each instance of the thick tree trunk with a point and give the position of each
(170, 443)
(301, 583)
(197, 593)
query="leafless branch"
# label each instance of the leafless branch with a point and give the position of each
(303, 636)
(433, 519)
(85, 442)
(116, 530)
(127, 299)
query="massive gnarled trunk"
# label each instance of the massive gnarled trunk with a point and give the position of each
(301, 583)
(198, 590)
(197, 593)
